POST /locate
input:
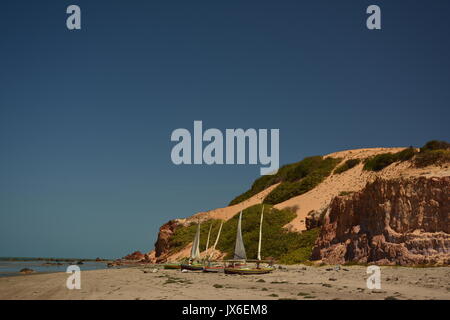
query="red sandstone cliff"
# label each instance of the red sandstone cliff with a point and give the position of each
(399, 221)
(162, 245)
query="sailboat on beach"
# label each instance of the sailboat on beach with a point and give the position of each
(211, 266)
(238, 264)
(194, 264)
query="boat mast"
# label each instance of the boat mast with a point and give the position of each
(207, 241)
(195, 251)
(218, 235)
(260, 234)
(215, 243)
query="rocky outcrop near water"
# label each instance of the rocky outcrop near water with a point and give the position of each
(135, 256)
(26, 271)
(398, 221)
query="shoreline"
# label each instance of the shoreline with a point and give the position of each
(13, 268)
(299, 282)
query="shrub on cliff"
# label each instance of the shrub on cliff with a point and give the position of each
(305, 244)
(347, 165)
(185, 235)
(381, 161)
(432, 157)
(433, 153)
(406, 154)
(266, 181)
(435, 145)
(316, 165)
(290, 172)
(310, 172)
(259, 185)
(304, 168)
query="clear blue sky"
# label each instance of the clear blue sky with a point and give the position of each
(86, 116)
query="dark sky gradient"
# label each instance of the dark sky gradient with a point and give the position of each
(86, 116)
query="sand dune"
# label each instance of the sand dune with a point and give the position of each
(352, 180)
(349, 181)
(228, 212)
(317, 199)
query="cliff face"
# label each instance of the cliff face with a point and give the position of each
(162, 243)
(399, 214)
(398, 221)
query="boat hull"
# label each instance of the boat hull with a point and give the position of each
(192, 267)
(213, 269)
(247, 271)
(172, 266)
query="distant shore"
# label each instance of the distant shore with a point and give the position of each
(51, 259)
(16, 266)
(293, 282)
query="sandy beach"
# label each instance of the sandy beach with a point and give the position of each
(292, 282)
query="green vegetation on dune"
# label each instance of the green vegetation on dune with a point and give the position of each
(296, 179)
(300, 177)
(432, 153)
(432, 157)
(435, 145)
(381, 161)
(277, 242)
(347, 165)
(305, 176)
(259, 185)
(289, 173)
(184, 235)
(266, 181)
(301, 247)
(406, 154)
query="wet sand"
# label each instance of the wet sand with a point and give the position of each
(293, 282)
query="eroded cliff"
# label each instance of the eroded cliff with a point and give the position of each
(398, 221)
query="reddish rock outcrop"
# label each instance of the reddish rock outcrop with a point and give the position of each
(398, 221)
(135, 256)
(162, 245)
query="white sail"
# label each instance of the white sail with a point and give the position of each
(211, 251)
(207, 241)
(239, 249)
(195, 251)
(260, 234)
(218, 235)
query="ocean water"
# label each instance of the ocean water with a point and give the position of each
(12, 268)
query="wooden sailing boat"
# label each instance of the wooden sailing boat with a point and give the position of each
(240, 255)
(195, 254)
(171, 266)
(212, 267)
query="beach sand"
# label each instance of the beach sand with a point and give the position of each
(292, 282)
